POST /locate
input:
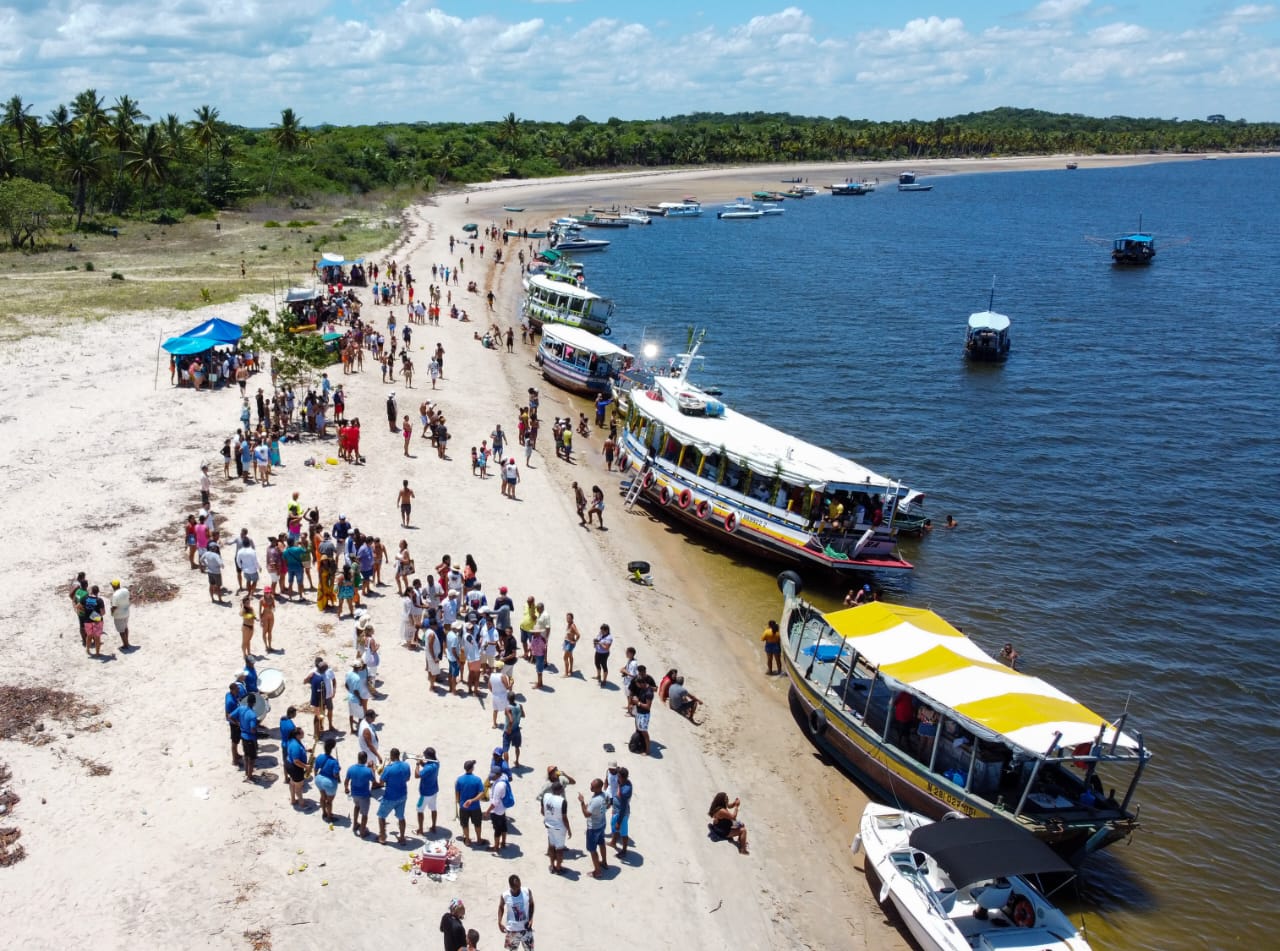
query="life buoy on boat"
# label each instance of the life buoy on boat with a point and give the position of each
(685, 498)
(648, 479)
(731, 522)
(622, 462)
(796, 584)
(607, 332)
(817, 722)
(1024, 913)
(702, 509)
(664, 495)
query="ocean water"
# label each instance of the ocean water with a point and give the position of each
(1116, 482)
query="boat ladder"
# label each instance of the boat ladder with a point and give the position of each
(636, 486)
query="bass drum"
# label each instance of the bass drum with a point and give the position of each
(270, 682)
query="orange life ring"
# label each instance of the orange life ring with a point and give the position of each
(685, 498)
(648, 479)
(622, 462)
(731, 522)
(702, 509)
(664, 495)
(1024, 913)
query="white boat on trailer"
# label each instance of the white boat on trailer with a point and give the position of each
(964, 885)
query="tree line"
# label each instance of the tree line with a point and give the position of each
(112, 159)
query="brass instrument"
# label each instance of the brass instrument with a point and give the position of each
(311, 761)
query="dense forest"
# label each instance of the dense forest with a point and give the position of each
(112, 159)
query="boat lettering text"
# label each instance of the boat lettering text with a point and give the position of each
(953, 801)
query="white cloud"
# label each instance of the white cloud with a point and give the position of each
(928, 33)
(1254, 13)
(1119, 34)
(1051, 10)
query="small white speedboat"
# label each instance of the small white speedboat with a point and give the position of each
(962, 885)
(771, 209)
(635, 218)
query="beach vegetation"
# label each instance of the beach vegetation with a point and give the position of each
(29, 209)
(297, 353)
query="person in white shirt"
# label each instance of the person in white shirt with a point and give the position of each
(212, 561)
(247, 565)
(499, 694)
(499, 787)
(120, 612)
(515, 915)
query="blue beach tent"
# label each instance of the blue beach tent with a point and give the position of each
(215, 331)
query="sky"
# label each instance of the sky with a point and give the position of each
(365, 61)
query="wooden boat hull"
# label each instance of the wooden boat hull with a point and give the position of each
(749, 529)
(572, 379)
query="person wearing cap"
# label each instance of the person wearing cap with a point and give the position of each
(595, 811)
(451, 926)
(231, 712)
(428, 774)
(467, 791)
(555, 816)
(502, 608)
(499, 788)
(120, 612)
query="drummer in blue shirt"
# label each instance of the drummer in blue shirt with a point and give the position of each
(231, 710)
(328, 774)
(295, 764)
(249, 734)
(395, 792)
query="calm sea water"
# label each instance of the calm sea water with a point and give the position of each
(1116, 482)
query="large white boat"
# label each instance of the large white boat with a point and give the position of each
(907, 183)
(965, 885)
(751, 485)
(577, 360)
(925, 718)
(680, 209)
(551, 301)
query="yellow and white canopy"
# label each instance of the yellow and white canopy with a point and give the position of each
(919, 650)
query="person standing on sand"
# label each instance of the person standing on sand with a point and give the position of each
(467, 790)
(405, 497)
(406, 429)
(511, 478)
(571, 638)
(580, 502)
(391, 412)
(248, 620)
(555, 816)
(358, 785)
(396, 780)
(213, 568)
(249, 734)
(515, 916)
(499, 789)
(428, 774)
(622, 813)
(204, 486)
(595, 812)
(455, 933)
(231, 713)
(603, 643)
(609, 450)
(267, 615)
(120, 612)
(596, 508)
(772, 638)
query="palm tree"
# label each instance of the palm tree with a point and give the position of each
(84, 164)
(149, 161)
(87, 108)
(60, 122)
(509, 133)
(17, 116)
(206, 131)
(175, 136)
(289, 136)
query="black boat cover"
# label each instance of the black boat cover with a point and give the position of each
(975, 850)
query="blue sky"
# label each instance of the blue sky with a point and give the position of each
(354, 61)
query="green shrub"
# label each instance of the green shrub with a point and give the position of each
(72, 267)
(271, 224)
(88, 265)
(168, 216)
(117, 276)
(262, 247)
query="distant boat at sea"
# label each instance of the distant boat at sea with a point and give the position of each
(907, 183)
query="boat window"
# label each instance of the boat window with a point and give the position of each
(670, 449)
(692, 460)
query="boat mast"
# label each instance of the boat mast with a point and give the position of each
(991, 302)
(683, 373)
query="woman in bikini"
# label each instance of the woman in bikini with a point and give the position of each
(267, 615)
(247, 620)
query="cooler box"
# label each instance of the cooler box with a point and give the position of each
(435, 864)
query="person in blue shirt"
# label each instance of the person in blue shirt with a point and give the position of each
(231, 711)
(428, 787)
(328, 773)
(622, 813)
(249, 734)
(295, 764)
(467, 791)
(358, 786)
(286, 726)
(250, 676)
(395, 792)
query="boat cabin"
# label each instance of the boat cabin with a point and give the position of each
(987, 337)
(548, 300)
(578, 360)
(1134, 249)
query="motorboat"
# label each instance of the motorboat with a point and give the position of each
(771, 209)
(907, 183)
(924, 717)
(850, 188)
(709, 467)
(551, 301)
(636, 217)
(581, 244)
(577, 360)
(741, 214)
(653, 211)
(808, 191)
(1134, 250)
(680, 209)
(739, 204)
(516, 233)
(593, 220)
(966, 884)
(1072, 166)
(986, 338)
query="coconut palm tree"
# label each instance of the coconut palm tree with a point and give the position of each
(289, 137)
(88, 111)
(59, 121)
(509, 133)
(175, 137)
(149, 160)
(83, 163)
(206, 131)
(17, 117)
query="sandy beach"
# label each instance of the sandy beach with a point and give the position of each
(135, 826)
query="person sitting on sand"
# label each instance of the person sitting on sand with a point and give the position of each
(724, 820)
(681, 700)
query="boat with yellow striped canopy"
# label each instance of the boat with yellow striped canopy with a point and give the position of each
(932, 723)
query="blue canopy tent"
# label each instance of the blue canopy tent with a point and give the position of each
(185, 346)
(216, 331)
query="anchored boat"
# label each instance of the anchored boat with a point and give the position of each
(751, 485)
(579, 361)
(907, 183)
(986, 338)
(927, 719)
